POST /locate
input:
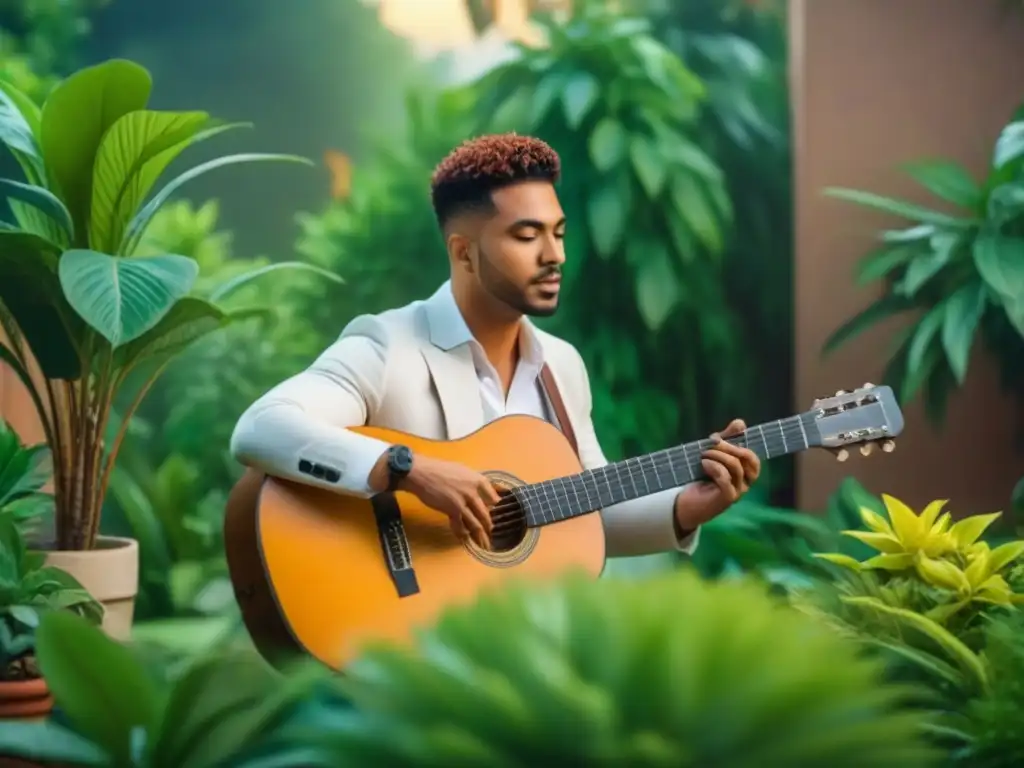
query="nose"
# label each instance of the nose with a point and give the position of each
(553, 251)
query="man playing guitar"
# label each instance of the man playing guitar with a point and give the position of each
(444, 367)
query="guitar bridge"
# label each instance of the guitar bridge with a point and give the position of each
(394, 544)
(397, 546)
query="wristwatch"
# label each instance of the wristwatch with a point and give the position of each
(399, 465)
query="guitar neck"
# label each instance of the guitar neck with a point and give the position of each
(554, 500)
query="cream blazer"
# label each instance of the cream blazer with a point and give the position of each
(401, 370)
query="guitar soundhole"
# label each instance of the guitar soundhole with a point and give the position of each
(508, 520)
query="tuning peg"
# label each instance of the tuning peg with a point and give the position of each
(868, 385)
(841, 392)
(867, 449)
(842, 455)
(888, 446)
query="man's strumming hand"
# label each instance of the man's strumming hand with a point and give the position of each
(731, 471)
(464, 495)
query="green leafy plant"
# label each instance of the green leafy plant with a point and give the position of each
(218, 712)
(961, 274)
(667, 671)
(989, 725)
(29, 590)
(924, 594)
(74, 294)
(24, 471)
(649, 218)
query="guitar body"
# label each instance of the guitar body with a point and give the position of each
(309, 568)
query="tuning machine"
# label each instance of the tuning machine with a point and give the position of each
(887, 445)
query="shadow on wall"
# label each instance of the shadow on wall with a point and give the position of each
(308, 80)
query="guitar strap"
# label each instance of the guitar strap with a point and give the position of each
(547, 379)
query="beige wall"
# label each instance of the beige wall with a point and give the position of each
(16, 406)
(877, 83)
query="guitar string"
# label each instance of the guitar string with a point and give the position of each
(654, 463)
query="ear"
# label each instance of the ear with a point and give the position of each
(460, 250)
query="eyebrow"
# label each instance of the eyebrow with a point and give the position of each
(534, 223)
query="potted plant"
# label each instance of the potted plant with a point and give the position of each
(224, 709)
(29, 589)
(98, 319)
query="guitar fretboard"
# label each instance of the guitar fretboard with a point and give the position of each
(562, 498)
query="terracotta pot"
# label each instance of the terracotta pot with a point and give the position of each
(110, 573)
(25, 699)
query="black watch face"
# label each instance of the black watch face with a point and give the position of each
(402, 459)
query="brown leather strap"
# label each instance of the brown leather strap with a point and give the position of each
(548, 380)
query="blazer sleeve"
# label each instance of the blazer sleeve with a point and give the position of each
(642, 526)
(298, 430)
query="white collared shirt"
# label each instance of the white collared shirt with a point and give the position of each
(525, 395)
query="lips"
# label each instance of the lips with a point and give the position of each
(553, 280)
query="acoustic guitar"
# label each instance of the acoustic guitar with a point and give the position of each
(321, 573)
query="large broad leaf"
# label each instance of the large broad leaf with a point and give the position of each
(123, 298)
(897, 207)
(98, 684)
(963, 311)
(31, 291)
(248, 278)
(948, 181)
(141, 220)
(44, 201)
(76, 115)
(133, 154)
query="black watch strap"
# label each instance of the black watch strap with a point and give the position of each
(399, 465)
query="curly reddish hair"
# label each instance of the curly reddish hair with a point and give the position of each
(465, 179)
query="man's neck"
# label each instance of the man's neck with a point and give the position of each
(496, 328)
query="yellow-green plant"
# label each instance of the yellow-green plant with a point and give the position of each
(949, 558)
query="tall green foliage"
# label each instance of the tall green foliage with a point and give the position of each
(648, 216)
(960, 274)
(647, 296)
(739, 50)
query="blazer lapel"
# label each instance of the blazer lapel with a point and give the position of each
(457, 388)
(450, 361)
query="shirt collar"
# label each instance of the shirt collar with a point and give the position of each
(448, 328)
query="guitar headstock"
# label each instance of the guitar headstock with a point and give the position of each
(868, 417)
